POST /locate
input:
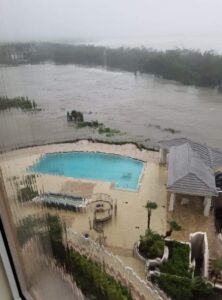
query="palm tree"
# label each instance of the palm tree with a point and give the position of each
(149, 206)
(173, 227)
(216, 269)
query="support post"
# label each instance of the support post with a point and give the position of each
(172, 201)
(162, 156)
(207, 205)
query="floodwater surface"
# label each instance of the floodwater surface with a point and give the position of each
(144, 108)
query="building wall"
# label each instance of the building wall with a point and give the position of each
(5, 292)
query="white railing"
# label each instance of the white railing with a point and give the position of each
(140, 289)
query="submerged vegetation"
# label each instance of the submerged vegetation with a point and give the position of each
(78, 119)
(23, 103)
(171, 130)
(108, 131)
(190, 67)
(75, 116)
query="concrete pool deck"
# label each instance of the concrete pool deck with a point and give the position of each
(131, 220)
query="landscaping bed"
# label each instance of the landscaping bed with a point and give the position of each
(176, 278)
(151, 245)
(178, 262)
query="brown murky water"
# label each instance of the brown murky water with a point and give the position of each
(143, 107)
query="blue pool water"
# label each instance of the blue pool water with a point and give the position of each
(123, 172)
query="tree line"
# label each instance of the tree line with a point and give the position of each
(190, 67)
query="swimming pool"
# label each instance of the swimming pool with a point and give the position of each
(122, 171)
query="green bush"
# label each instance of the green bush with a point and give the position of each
(29, 227)
(151, 245)
(26, 194)
(176, 278)
(181, 288)
(178, 288)
(178, 261)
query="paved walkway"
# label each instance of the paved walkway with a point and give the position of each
(191, 218)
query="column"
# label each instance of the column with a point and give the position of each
(172, 200)
(207, 205)
(163, 156)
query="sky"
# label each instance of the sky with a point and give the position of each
(22, 20)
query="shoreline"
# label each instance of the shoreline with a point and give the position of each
(140, 146)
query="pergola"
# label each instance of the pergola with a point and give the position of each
(191, 168)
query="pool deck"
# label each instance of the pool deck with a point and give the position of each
(131, 220)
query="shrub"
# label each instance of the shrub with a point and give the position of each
(176, 279)
(176, 287)
(29, 227)
(26, 194)
(181, 288)
(178, 262)
(151, 245)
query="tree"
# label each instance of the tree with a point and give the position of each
(216, 269)
(173, 227)
(150, 206)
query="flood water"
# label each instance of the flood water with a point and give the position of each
(142, 107)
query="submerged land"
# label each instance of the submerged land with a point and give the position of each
(128, 223)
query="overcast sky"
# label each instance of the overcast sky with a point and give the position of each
(71, 19)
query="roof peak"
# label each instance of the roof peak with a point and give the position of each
(190, 170)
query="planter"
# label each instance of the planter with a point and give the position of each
(157, 261)
(137, 253)
(148, 261)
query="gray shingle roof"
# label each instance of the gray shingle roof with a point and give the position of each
(211, 156)
(189, 173)
(217, 158)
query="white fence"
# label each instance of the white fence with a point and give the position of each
(140, 289)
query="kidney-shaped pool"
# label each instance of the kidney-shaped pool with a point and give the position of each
(124, 172)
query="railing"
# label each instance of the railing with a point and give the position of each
(140, 289)
(101, 196)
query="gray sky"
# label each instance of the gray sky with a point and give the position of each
(70, 19)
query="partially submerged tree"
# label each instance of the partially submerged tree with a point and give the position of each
(150, 206)
(174, 226)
